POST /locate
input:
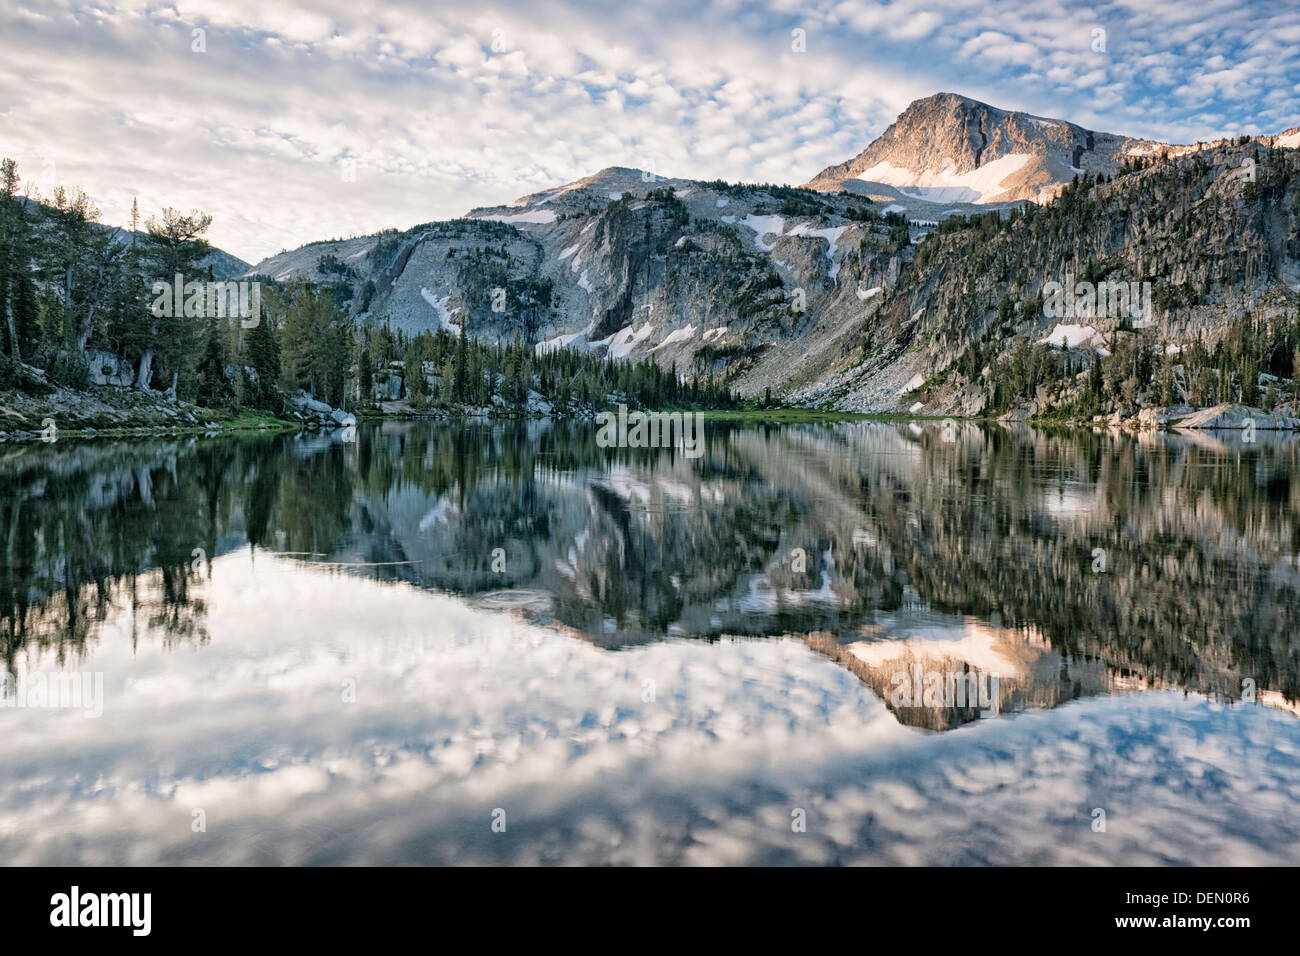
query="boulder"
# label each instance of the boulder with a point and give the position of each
(109, 369)
(1162, 416)
(537, 404)
(1231, 415)
(303, 400)
(339, 417)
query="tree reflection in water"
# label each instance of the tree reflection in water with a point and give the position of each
(1074, 563)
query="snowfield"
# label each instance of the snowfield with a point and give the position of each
(945, 185)
(540, 217)
(1071, 336)
(681, 335)
(440, 308)
(763, 225)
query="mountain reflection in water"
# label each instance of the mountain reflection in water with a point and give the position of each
(646, 658)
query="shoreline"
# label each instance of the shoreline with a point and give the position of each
(118, 413)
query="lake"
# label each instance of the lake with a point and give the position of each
(832, 643)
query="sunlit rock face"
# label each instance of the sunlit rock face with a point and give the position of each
(949, 147)
(938, 671)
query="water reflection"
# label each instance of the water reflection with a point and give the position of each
(645, 658)
(1095, 561)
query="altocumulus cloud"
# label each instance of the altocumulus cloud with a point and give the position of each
(301, 122)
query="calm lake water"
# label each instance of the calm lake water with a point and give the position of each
(425, 643)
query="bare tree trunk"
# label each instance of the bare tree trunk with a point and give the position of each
(13, 332)
(146, 369)
(88, 322)
(83, 333)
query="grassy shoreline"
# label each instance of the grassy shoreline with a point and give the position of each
(145, 422)
(242, 423)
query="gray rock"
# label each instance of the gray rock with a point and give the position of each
(109, 369)
(1234, 416)
(305, 401)
(1163, 417)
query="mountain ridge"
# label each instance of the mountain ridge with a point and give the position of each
(793, 289)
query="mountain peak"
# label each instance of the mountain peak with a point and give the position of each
(946, 96)
(948, 148)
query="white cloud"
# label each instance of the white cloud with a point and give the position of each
(460, 710)
(473, 103)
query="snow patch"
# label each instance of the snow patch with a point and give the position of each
(762, 226)
(441, 310)
(562, 341)
(681, 335)
(625, 340)
(1071, 336)
(980, 185)
(831, 235)
(538, 217)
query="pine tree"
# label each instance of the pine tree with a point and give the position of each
(11, 254)
(213, 389)
(461, 372)
(173, 245)
(365, 373)
(262, 355)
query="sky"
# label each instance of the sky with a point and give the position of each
(292, 122)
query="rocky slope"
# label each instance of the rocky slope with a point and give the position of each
(851, 293)
(1208, 244)
(705, 276)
